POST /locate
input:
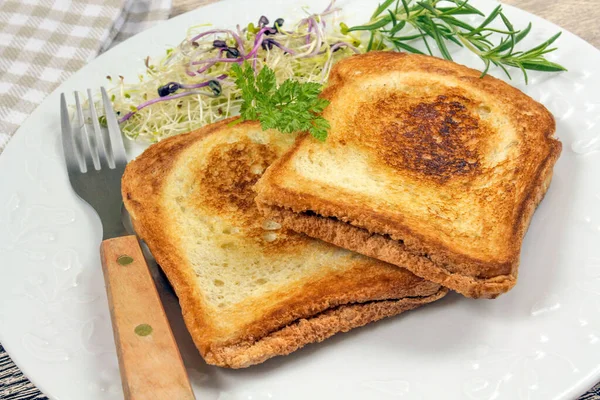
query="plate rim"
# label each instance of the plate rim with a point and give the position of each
(587, 382)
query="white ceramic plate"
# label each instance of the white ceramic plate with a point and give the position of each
(539, 341)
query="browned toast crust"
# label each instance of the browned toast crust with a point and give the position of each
(345, 220)
(317, 309)
(312, 330)
(386, 249)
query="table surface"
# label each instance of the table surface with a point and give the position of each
(577, 16)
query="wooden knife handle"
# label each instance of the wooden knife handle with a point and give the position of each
(149, 360)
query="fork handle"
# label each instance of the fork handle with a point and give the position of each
(149, 360)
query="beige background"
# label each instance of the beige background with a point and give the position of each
(577, 16)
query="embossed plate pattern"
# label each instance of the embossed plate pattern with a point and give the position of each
(539, 341)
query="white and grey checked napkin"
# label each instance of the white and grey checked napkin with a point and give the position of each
(42, 42)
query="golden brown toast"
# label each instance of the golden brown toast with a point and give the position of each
(427, 166)
(250, 290)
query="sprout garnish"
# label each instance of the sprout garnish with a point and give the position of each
(198, 72)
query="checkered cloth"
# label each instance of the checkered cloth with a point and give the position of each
(42, 42)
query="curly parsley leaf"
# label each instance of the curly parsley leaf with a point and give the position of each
(289, 107)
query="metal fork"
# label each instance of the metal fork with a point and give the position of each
(149, 360)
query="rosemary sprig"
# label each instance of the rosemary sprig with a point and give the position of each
(435, 21)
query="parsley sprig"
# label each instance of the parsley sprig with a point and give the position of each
(289, 107)
(399, 22)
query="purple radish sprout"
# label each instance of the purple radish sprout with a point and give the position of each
(329, 9)
(263, 21)
(257, 42)
(211, 83)
(188, 69)
(238, 39)
(310, 21)
(168, 89)
(308, 30)
(269, 43)
(205, 68)
(318, 40)
(159, 99)
(232, 52)
(285, 49)
(172, 87)
(278, 23)
(339, 45)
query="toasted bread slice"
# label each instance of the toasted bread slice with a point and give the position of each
(427, 166)
(248, 289)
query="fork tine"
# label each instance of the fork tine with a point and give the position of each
(99, 135)
(82, 140)
(114, 132)
(69, 148)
